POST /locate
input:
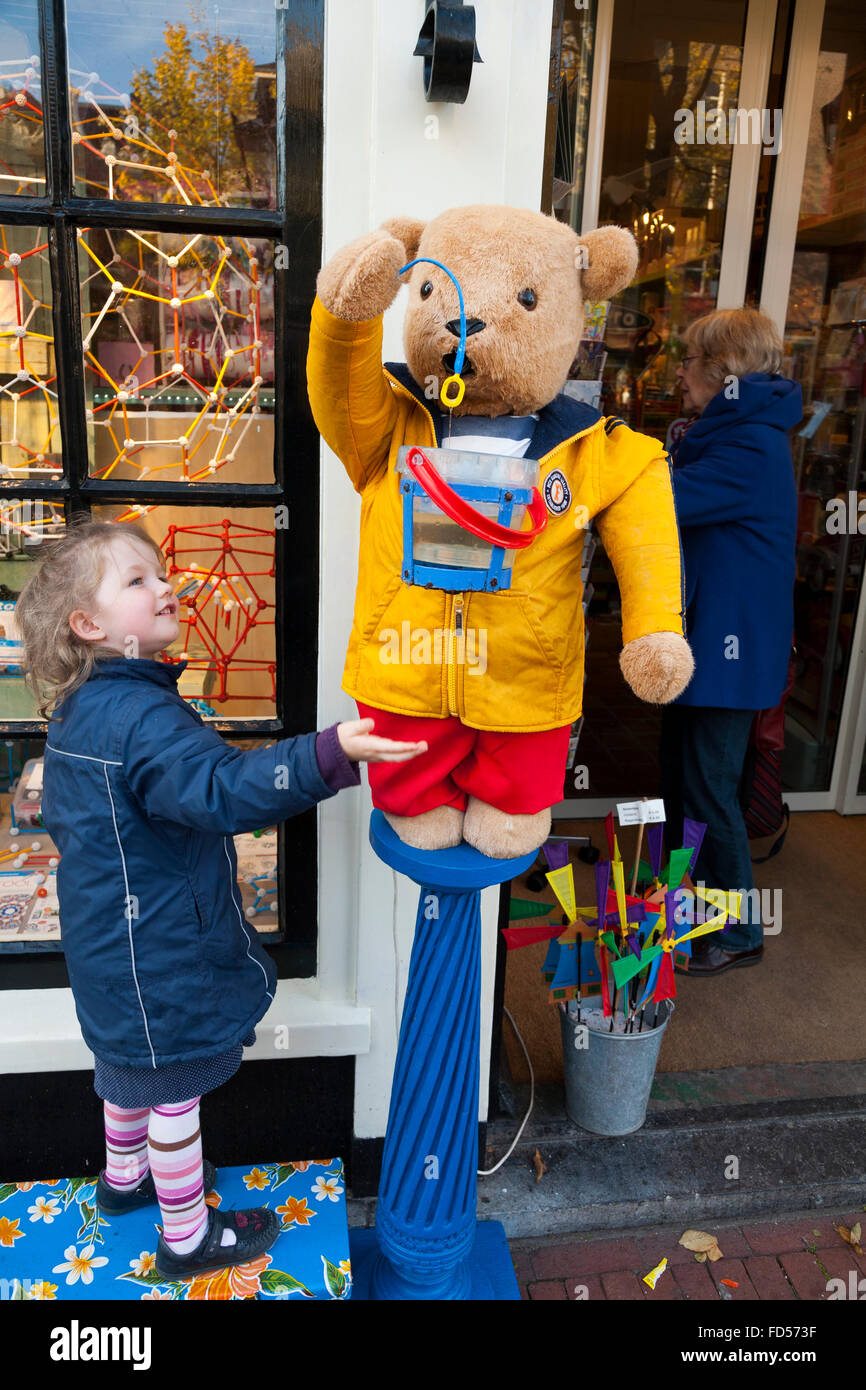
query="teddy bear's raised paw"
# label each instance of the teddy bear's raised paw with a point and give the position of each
(658, 667)
(360, 282)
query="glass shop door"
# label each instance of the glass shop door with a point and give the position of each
(824, 329)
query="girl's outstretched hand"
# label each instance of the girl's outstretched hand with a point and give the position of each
(362, 746)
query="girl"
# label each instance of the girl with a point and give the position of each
(142, 800)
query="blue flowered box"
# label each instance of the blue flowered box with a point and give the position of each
(55, 1243)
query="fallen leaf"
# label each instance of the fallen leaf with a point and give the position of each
(851, 1237)
(701, 1241)
(540, 1166)
(701, 1257)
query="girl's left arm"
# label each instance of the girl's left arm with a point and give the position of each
(182, 771)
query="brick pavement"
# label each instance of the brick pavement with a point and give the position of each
(784, 1258)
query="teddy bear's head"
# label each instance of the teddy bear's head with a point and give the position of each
(524, 278)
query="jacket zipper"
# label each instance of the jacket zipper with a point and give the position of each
(453, 638)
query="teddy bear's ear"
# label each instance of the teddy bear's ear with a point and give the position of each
(607, 260)
(408, 230)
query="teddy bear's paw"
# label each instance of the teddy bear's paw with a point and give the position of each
(658, 667)
(502, 836)
(441, 828)
(360, 281)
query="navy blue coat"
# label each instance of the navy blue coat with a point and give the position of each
(142, 800)
(737, 510)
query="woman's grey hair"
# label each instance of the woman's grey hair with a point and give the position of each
(734, 342)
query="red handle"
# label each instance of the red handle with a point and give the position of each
(459, 510)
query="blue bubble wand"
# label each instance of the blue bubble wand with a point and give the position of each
(445, 398)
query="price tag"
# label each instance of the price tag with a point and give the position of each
(640, 812)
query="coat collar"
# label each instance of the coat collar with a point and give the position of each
(559, 421)
(166, 673)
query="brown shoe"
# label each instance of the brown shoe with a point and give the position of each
(715, 961)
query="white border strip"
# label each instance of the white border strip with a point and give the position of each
(746, 158)
(791, 160)
(41, 1033)
(597, 113)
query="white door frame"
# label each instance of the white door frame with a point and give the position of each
(782, 237)
(746, 156)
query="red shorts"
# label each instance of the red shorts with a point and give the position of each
(519, 774)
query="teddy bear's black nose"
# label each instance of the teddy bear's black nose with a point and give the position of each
(472, 326)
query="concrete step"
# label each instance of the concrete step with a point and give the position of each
(689, 1163)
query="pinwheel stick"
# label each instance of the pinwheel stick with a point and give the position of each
(637, 854)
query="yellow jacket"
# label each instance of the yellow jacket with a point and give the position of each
(519, 664)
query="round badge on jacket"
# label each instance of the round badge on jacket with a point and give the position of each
(557, 494)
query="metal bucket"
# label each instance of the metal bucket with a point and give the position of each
(608, 1082)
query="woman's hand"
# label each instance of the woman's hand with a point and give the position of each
(361, 746)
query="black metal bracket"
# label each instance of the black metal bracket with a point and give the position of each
(447, 45)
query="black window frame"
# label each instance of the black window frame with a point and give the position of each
(296, 441)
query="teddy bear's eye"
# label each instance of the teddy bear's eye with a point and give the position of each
(527, 298)
(426, 289)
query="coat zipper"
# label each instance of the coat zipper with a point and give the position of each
(454, 637)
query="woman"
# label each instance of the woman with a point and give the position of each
(736, 505)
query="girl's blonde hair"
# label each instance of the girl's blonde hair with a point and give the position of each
(734, 342)
(56, 661)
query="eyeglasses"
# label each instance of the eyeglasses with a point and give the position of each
(695, 357)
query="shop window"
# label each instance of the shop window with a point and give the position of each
(178, 339)
(222, 569)
(192, 118)
(825, 347)
(152, 370)
(22, 143)
(30, 442)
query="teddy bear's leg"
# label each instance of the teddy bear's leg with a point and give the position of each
(501, 835)
(401, 790)
(440, 828)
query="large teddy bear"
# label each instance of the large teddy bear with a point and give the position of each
(497, 730)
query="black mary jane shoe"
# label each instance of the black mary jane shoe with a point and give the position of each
(115, 1203)
(256, 1229)
(715, 961)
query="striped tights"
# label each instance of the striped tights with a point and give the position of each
(167, 1138)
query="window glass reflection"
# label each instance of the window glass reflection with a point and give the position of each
(674, 82)
(220, 563)
(22, 146)
(172, 103)
(178, 334)
(30, 447)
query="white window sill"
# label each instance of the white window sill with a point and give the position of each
(39, 1030)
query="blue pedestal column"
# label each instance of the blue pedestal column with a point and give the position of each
(428, 1246)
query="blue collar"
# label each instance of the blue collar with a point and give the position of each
(558, 421)
(166, 673)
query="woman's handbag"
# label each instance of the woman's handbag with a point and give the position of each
(764, 811)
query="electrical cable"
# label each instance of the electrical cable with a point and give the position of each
(486, 1172)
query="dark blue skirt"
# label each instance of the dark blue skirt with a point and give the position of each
(133, 1088)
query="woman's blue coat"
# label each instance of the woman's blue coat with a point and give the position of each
(142, 800)
(737, 510)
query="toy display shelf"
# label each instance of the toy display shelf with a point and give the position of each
(257, 894)
(25, 836)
